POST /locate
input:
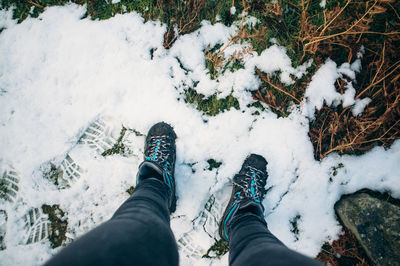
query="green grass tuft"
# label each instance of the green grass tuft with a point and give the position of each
(219, 249)
(211, 105)
(118, 147)
(213, 164)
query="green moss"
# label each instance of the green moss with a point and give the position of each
(284, 27)
(23, 9)
(176, 12)
(233, 65)
(294, 226)
(257, 105)
(58, 224)
(211, 105)
(219, 249)
(118, 147)
(211, 53)
(213, 164)
(130, 190)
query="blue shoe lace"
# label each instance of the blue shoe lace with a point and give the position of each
(159, 148)
(160, 151)
(251, 185)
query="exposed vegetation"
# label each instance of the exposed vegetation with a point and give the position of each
(53, 173)
(219, 248)
(58, 224)
(213, 164)
(130, 190)
(118, 147)
(294, 226)
(185, 16)
(373, 25)
(210, 105)
(343, 251)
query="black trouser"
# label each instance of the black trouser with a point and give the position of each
(251, 243)
(139, 233)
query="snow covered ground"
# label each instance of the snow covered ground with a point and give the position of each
(67, 85)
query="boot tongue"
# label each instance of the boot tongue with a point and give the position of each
(251, 206)
(150, 169)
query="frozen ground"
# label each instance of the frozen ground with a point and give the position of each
(67, 85)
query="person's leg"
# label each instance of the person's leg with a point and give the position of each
(251, 243)
(137, 234)
(243, 224)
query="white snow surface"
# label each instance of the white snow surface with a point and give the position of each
(360, 105)
(60, 73)
(321, 89)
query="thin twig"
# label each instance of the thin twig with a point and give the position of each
(266, 79)
(397, 14)
(35, 4)
(379, 81)
(318, 39)
(337, 15)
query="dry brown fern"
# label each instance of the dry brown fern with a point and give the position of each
(343, 251)
(340, 30)
(185, 20)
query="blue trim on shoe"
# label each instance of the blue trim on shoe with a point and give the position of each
(227, 218)
(169, 182)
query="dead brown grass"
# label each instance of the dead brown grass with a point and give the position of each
(343, 251)
(338, 34)
(217, 58)
(336, 129)
(372, 24)
(276, 95)
(185, 19)
(339, 29)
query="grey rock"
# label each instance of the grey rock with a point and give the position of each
(375, 223)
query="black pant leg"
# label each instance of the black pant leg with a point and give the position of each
(251, 243)
(139, 233)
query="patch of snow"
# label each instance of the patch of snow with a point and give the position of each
(348, 96)
(322, 3)
(251, 21)
(233, 10)
(6, 20)
(360, 105)
(356, 66)
(361, 52)
(322, 87)
(345, 69)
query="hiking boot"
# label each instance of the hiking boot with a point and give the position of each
(247, 193)
(159, 159)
